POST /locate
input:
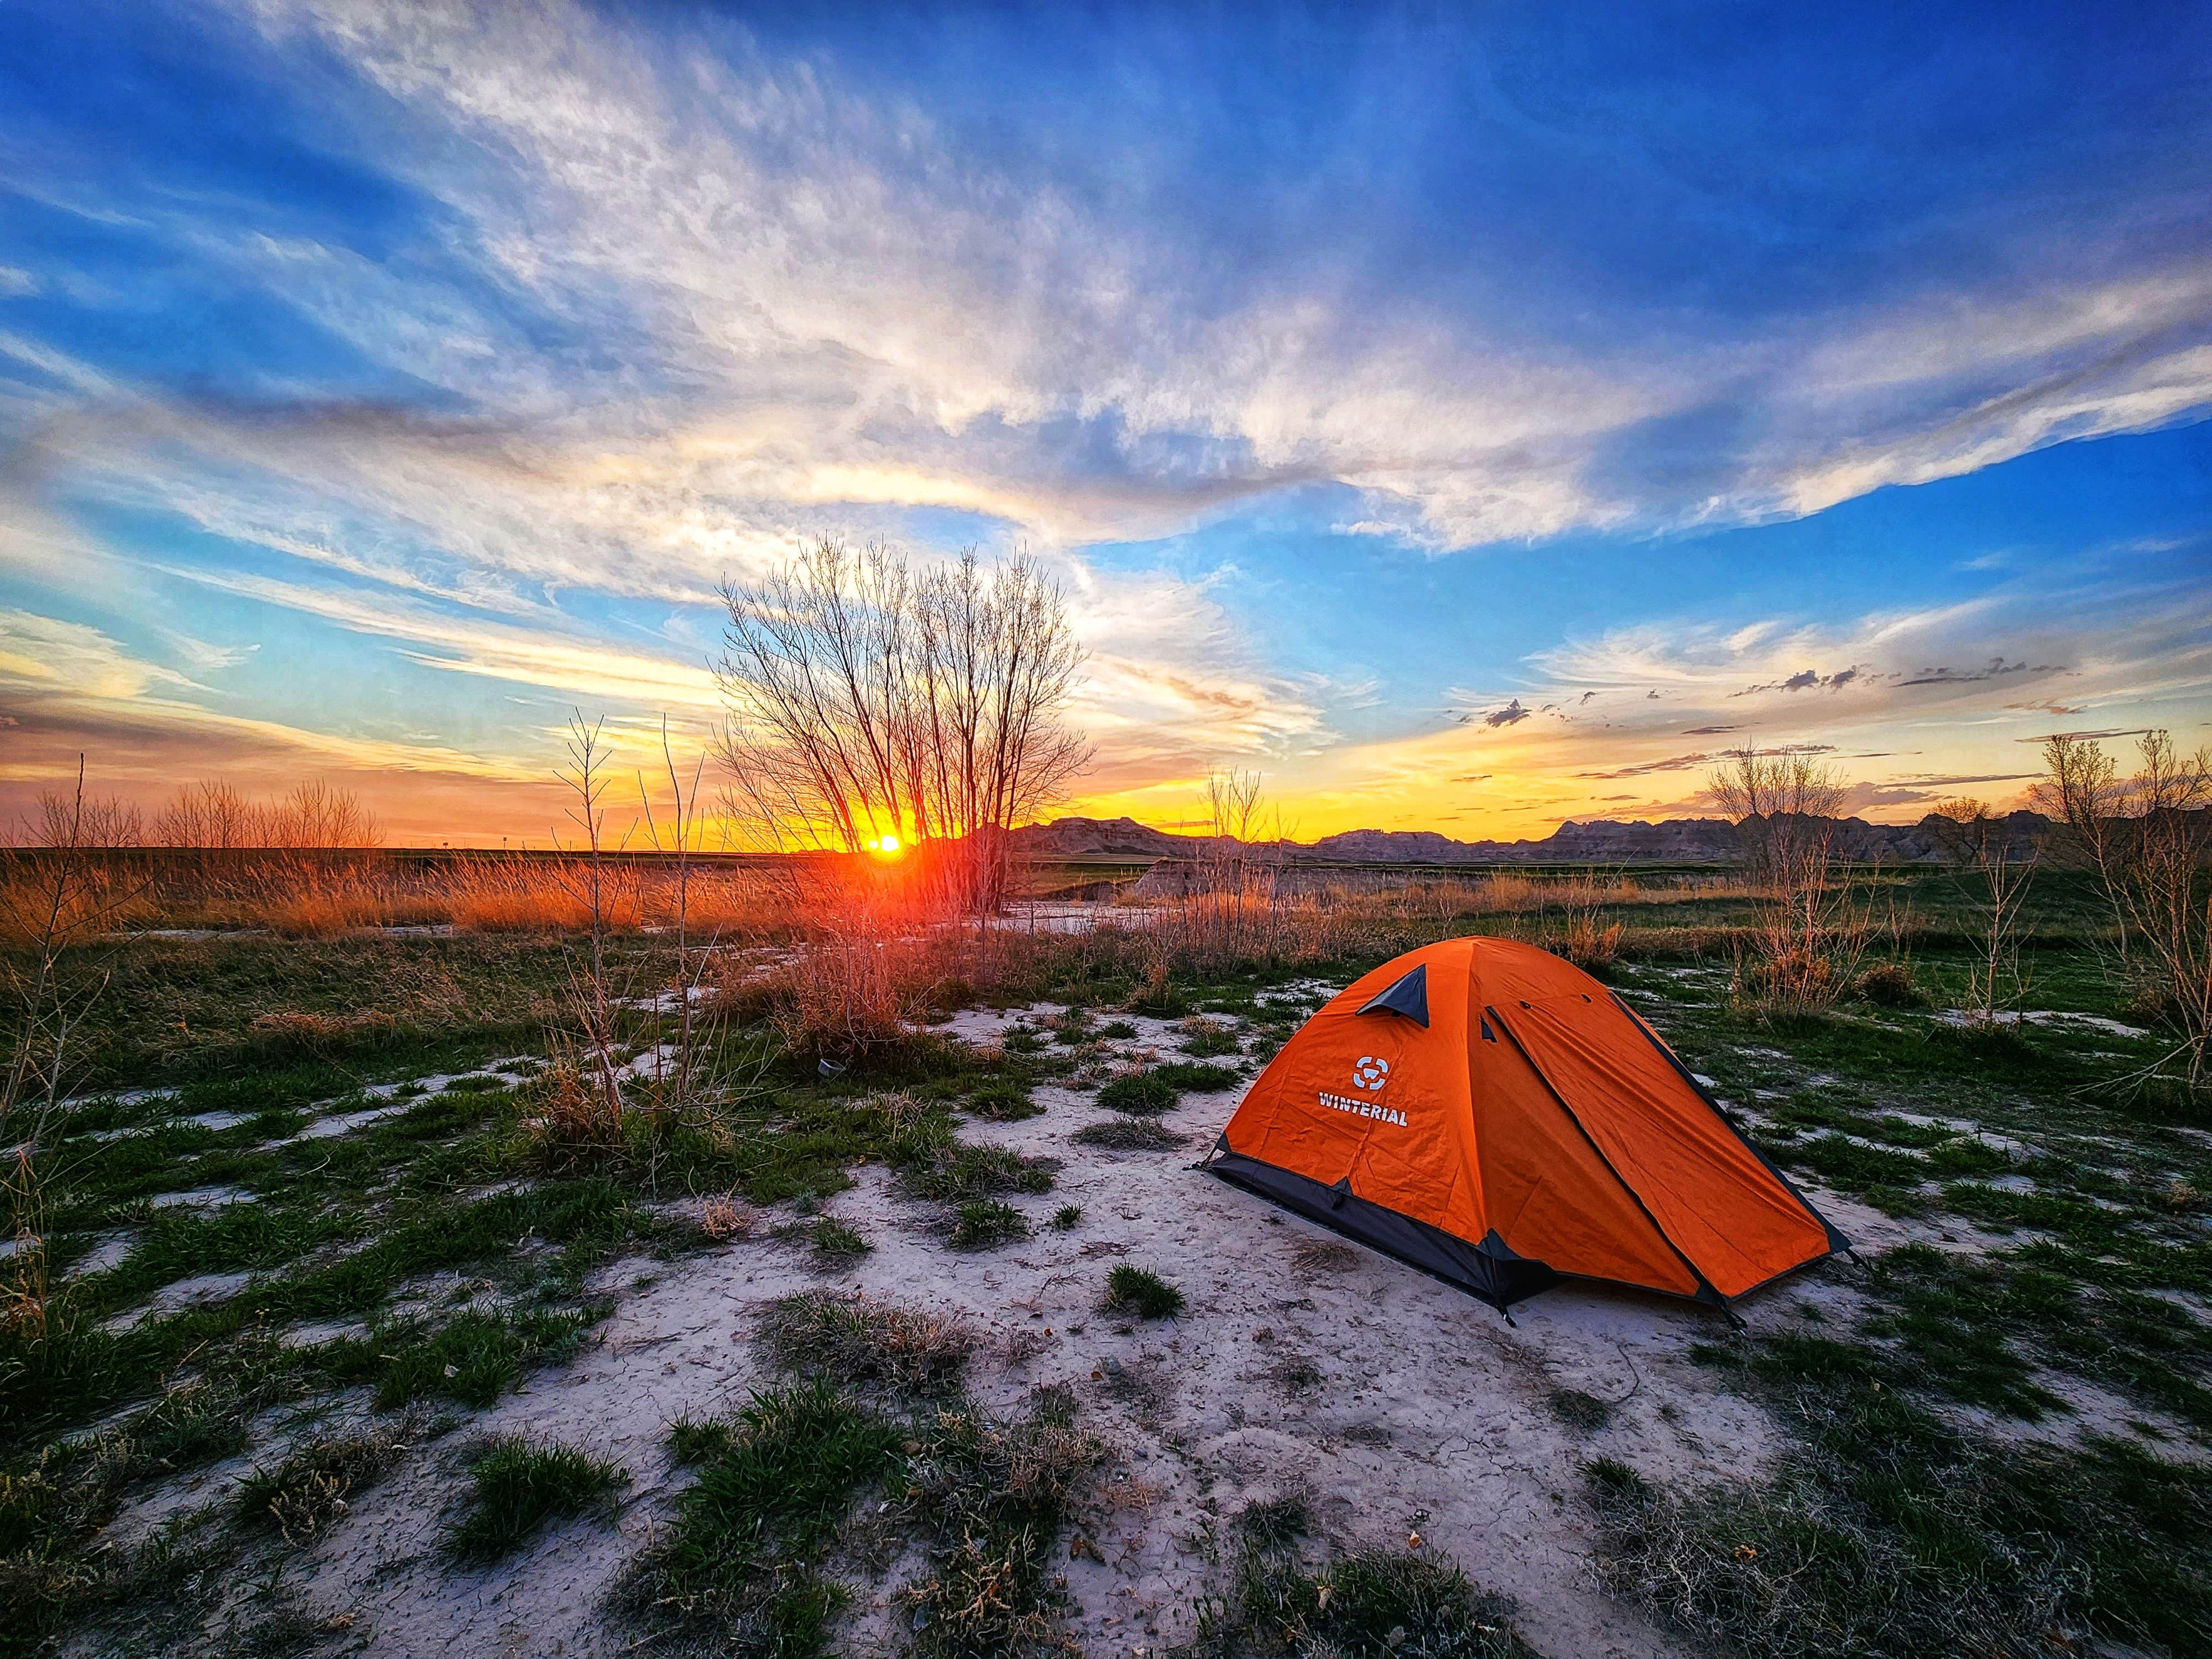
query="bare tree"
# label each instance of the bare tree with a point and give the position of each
(82, 823)
(208, 814)
(2148, 840)
(310, 816)
(2082, 790)
(1998, 887)
(869, 700)
(816, 668)
(1784, 803)
(991, 748)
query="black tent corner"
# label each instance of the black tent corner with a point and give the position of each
(1409, 997)
(1490, 1270)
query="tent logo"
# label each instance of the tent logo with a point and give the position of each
(1367, 1108)
(1371, 1072)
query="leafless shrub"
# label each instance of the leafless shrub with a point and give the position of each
(58, 895)
(677, 1065)
(2148, 840)
(591, 999)
(312, 817)
(1813, 926)
(1995, 876)
(209, 814)
(90, 823)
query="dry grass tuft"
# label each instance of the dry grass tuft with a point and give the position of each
(305, 1495)
(575, 1122)
(311, 1033)
(1323, 1256)
(725, 1217)
(1586, 942)
(995, 1495)
(854, 1340)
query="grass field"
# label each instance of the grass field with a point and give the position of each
(306, 1233)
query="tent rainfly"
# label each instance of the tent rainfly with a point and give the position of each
(1492, 1115)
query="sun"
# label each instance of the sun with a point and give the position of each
(888, 848)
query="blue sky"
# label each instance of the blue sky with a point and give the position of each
(1467, 424)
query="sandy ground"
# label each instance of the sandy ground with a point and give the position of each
(1408, 1405)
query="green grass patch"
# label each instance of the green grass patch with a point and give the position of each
(1211, 1040)
(836, 1245)
(743, 1559)
(933, 1162)
(1003, 1100)
(1978, 1331)
(472, 1358)
(1139, 1292)
(1143, 1094)
(985, 1223)
(1185, 1077)
(1150, 1093)
(518, 1485)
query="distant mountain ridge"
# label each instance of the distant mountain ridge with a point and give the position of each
(1670, 840)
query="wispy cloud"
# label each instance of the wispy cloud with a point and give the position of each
(71, 688)
(813, 297)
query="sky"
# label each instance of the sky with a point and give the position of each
(1468, 419)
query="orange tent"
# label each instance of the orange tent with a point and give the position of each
(1495, 1117)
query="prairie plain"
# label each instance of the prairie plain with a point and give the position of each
(369, 1320)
